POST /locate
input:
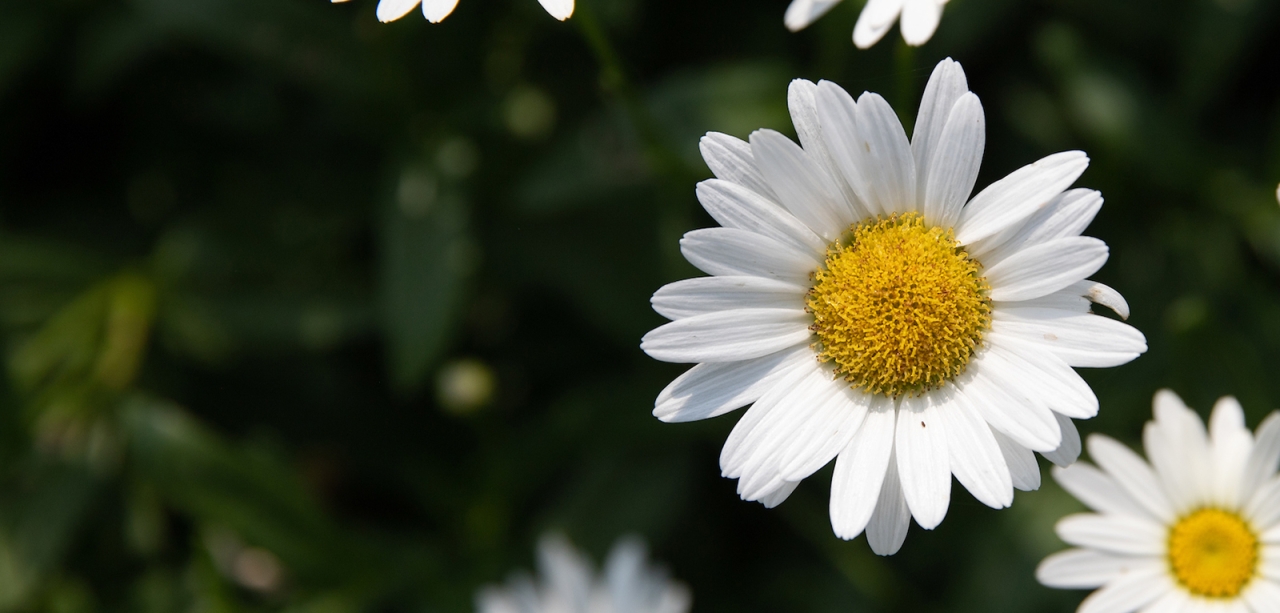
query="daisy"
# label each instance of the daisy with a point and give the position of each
(436, 10)
(919, 19)
(1197, 529)
(872, 316)
(569, 585)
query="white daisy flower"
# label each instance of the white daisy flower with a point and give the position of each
(436, 10)
(919, 19)
(1197, 529)
(872, 316)
(569, 585)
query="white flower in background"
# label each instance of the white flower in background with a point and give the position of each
(436, 10)
(1197, 529)
(919, 18)
(569, 585)
(872, 316)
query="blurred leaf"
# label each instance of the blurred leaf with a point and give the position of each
(243, 489)
(37, 523)
(426, 254)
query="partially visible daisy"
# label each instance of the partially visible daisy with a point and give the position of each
(877, 316)
(1197, 529)
(919, 19)
(568, 584)
(436, 10)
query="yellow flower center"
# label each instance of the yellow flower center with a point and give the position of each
(899, 307)
(1213, 553)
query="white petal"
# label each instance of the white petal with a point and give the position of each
(1065, 216)
(876, 18)
(802, 186)
(1023, 469)
(560, 9)
(391, 10)
(702, 295)
(740, 443)
(801, 13)
(1263, 508)
(1015, 197)
(1076, 297)
(804, 113)
(1084, 568)
(435, 10)
(715, 388)
(860, 470)
(1099, 293)
(1230, 443)
(837, 112)
(1133, 474)
(995, 387)
(1178, 451)
(778, 496)
(733, 252)
(803, 427)
(1271, 536)
(1130, 591)
(1264, 459)
(828, 433)
(728, 336)
(1046, 267)
(1067, 453)
(731, 159)
(920, 20)
(1118, 534)
(814, 137)
(975, 456)
(1176, 601)
(1044, 377)
(946, 84)
(882, 154)
(957, 155)
(1262, 595)
(921, 446)
(1097, 490)
(1269, 564)
(887, 528)
(1080, 340)
(562, 566)
(735, 206)
(1075, 399)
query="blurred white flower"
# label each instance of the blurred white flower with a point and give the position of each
(568, 584)
(875, 318)
(436, 10)
(919, 18)
(1197, 529)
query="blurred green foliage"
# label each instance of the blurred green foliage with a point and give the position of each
(302, 312)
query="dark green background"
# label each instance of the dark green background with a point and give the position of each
(240, 240)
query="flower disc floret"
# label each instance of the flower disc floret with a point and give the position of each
(1213, 553)
(899, 307)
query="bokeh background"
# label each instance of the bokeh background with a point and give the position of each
(303, 312)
